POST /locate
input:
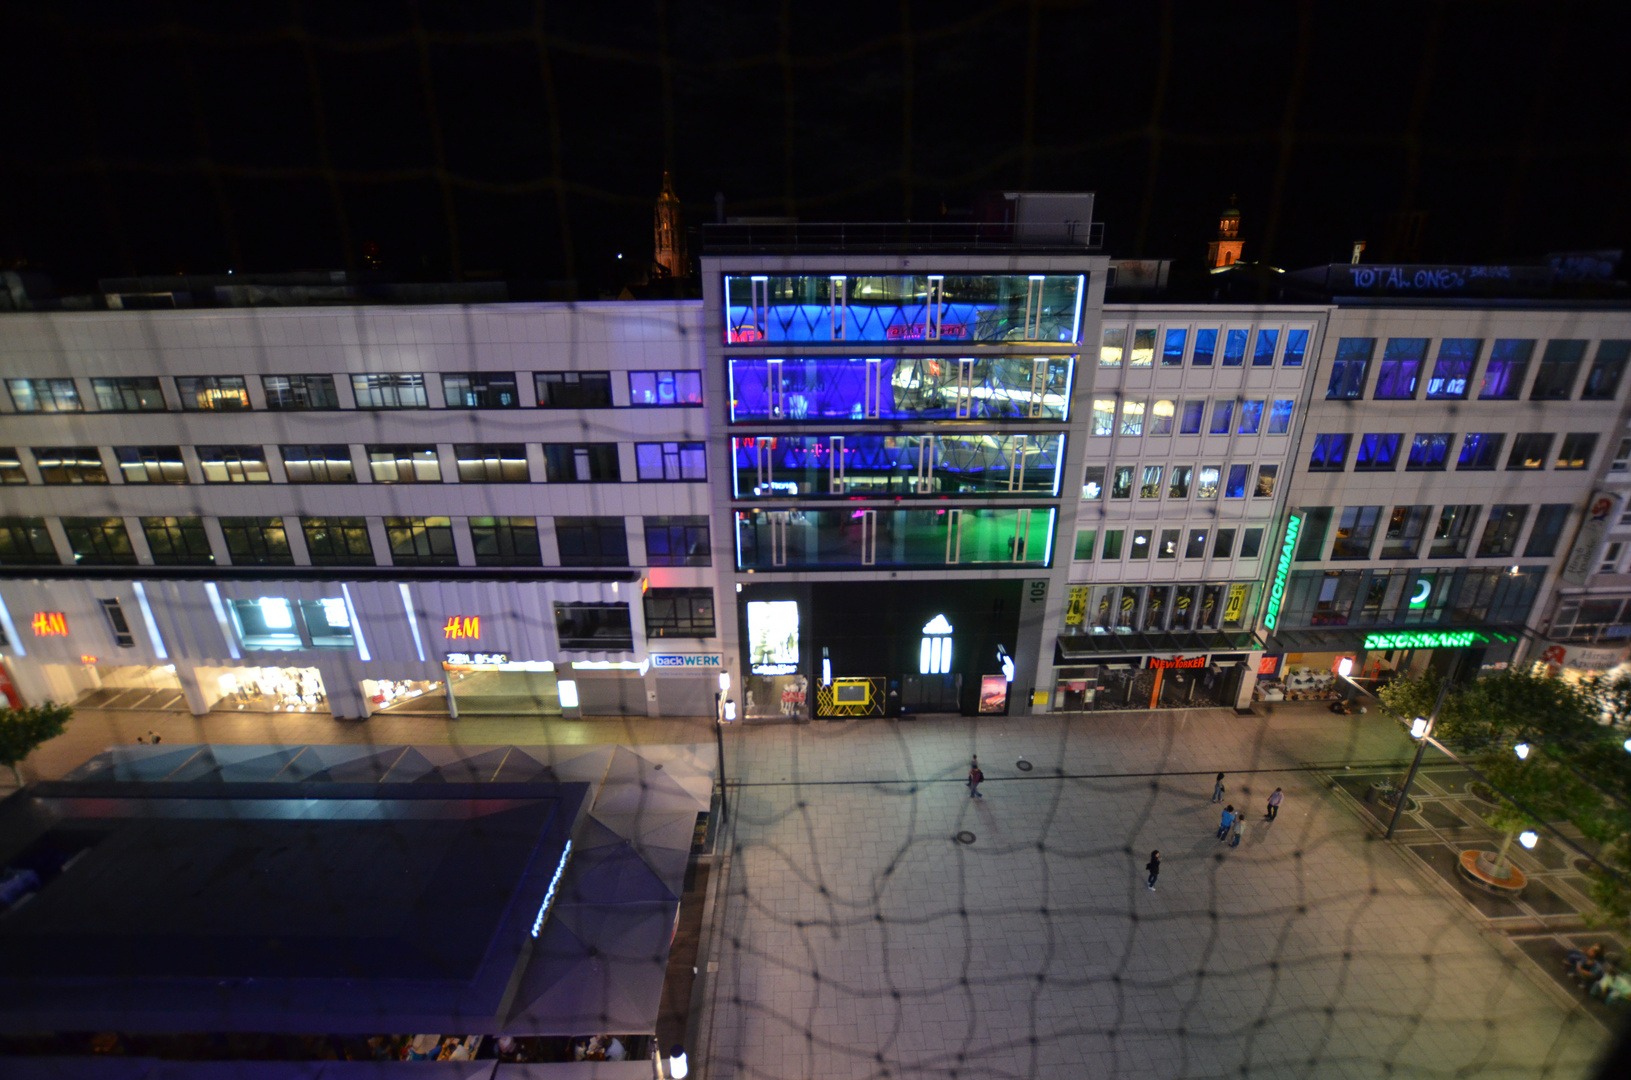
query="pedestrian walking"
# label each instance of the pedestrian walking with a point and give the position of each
(974, 778)
(1217, 789)
(1274, 804)
(1154, 867)
(1228, 820)
(1237, 830)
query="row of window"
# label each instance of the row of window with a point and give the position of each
(467, 390)
(1179, 481)
(1451, 529)
(344, 541)
(1167, 544)
(477, 463)
(1158, 417)
(1227, 346)
(1430, 451)
(1398, 374)
(1418, 596)
(1158, 608)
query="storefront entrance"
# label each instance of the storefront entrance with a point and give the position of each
(132, 687)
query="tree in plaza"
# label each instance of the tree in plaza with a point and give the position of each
(1574, 767)
(22, 731)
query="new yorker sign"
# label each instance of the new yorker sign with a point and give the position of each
(1282, 569)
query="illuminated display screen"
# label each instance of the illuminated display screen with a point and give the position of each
(773, 636)
(1424, 639)
(834, 388)
(851, 693)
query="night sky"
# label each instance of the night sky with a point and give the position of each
(483, 139)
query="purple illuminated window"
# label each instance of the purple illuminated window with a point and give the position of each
(1508, 364)
(1400, 368)
(1452, 371)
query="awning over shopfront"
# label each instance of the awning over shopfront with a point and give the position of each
(1086, 648)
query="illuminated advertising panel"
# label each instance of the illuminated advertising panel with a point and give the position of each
(773, 637)
(1282, 569)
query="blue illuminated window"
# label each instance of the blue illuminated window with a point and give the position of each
(1280, 416)
(1234, 348)
(1401, 365)
(1206, 343)
(1508, 364)
(1378, 453)
(1452, 371)
(1194, 411)
(1330, 453)
(1349, 368)
(1428, 453)
(1480, 450)
(1222, 415)
(1251, 417)
(1263, 355)
(1296, 348)
(1172, 351)
(1236, 486)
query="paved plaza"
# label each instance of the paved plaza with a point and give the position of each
(859, 938)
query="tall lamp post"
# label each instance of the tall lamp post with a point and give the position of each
(720, 707)
(1420, 729)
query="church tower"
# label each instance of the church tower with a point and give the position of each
(1225, 250)
(670, 261)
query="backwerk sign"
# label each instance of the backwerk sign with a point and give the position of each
(688, 663)
(1282, 570)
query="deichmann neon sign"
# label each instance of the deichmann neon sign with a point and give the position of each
(1425, 639)
(1277, 591)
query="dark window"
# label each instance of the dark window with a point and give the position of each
(1356, 532)
(177, 541)
(328, 622)
(213, 393)
(234, 465)
(1349, 368)
(481, 390)
(26, 541)
(1234, 347)
(1501, 531)
(1086, 540)
(1121, 482)
(1112, 543)
(390, 391)
(1172, 349)
(1452, 371)
(128, 394)
(1330, 453)
(1529, 451)
(1548, 528)
(1603, 380)
(1263, 353)
(99, 541)
(680, 613)
(594, 627)
(1576, 450)
(1251, 417)
(404, 464)
(1223, 544)
(578, 463)
(1454, 530)
(1251, 541)
(505, 541)
(44, 395)
(1377, 453)
(1206, 344)
(591, 541)
(1092, 483)
(1429, 452)
(298, 392)
(11, 466)
(1508, 364)
(1167, 546)
(1311, 541)
(421, 541)
(151, 464)
(117, 622)
(1280, 416)
(671, 461)
(1296, 348)
(1178, 484)
(1266, 475)
(665, 388)
(1194, 411)
(257, 541)
(492, 463)
(1404, 532)
(1480, 450)
(573, 389)
(1400, 369)
(1559, 364)
(1235, 486)
(320, 463)
(1141, 544)
(341, 541)
(677, 541)
(1196, 547)
(70, 465)
(1223, 412)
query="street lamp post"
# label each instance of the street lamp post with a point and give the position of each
(719, 738)
(1421, 748)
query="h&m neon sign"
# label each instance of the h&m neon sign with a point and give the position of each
(460, 627)
(50, 624)
(1282, 569)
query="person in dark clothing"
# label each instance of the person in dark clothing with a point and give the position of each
(974, 778)
(1217, 789)
(1154, 867)
(1274, 804)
